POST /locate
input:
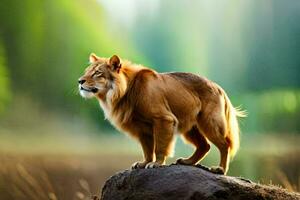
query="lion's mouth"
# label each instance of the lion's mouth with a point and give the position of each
(93, 90)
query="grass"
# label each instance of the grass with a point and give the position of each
(40, 177)
(54, 177)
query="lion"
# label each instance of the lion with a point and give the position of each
(153, 107)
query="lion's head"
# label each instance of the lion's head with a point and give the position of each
(99, 76)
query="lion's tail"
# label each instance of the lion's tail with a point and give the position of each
(233, 135)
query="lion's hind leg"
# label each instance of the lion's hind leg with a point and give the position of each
(214, 129)
(199, 141)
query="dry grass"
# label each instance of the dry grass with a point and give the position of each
(67, 168)
(80, 177)
(288, 172)
(56, 177)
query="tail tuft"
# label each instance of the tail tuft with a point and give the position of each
(233, 135)
(240, 113)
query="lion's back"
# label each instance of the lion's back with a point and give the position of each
(194, 82)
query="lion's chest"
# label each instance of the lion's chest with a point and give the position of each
(106, 109)
(113, 119)
(124, 121)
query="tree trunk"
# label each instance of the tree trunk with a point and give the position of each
(186, 182)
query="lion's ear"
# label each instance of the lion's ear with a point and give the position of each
(93, 58)
(115, 62)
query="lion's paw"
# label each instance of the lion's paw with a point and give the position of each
(153, 165)
(183, 161)
(138, 165)
(217, 170)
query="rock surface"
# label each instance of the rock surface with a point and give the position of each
(186, 183)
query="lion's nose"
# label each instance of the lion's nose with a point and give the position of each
(81, 81)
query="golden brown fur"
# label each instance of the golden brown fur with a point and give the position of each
(153, 106)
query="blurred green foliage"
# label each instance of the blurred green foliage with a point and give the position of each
(4, 81)
(47, 44)
(251, 48)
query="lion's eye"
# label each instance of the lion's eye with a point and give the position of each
(98, 73)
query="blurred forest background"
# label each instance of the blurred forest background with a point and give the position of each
(251, 48)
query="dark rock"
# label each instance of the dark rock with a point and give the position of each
(186, 183)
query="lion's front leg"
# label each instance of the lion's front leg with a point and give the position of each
(163, 132)
(147, 143)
